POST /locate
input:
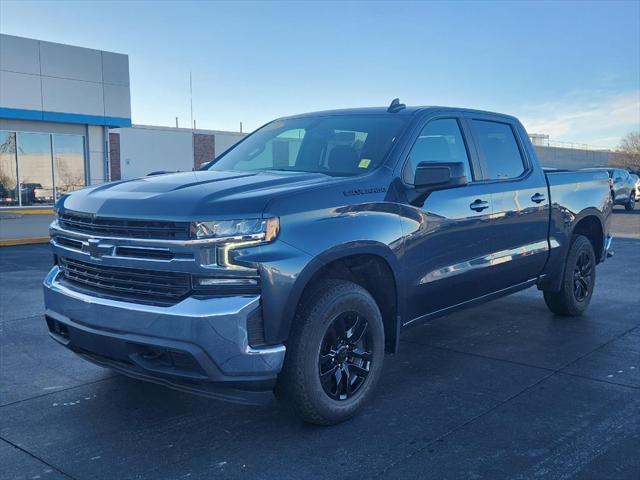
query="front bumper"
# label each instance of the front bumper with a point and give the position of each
(199, 345)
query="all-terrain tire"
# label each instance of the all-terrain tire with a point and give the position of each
(578, 281)
(300, 382)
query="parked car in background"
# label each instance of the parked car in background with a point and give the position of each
(28, 193)
(623, 187)
(636, 186)
(6, 197)
(293, 261)
(43, 195)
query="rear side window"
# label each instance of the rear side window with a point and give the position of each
(500, 150)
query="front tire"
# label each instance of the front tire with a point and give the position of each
(578, 282)
(334, 354)
(631, 203)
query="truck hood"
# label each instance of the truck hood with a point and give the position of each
(198, 195)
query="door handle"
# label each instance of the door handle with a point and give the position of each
(479, 205)
(538, 198)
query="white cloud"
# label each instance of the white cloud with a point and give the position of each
(594, 117)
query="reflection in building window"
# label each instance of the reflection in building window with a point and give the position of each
(34, 165)
(69, 163)
(8, 170)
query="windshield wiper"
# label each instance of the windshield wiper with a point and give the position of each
(289, 170)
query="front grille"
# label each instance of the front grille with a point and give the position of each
(140, 252)
(119, 227)
(127, 283)
(69, 243)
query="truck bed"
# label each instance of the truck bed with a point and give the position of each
(570, 192)
(573, 189)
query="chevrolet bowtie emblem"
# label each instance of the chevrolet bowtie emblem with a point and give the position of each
(94, 247)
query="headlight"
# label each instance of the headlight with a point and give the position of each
(263, 229)
(226, 285)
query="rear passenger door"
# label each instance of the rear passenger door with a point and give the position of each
(520, 217)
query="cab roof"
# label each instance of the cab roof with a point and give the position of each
(406, 111)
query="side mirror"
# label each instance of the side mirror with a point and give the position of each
(439, 175)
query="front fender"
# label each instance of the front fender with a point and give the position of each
(310, 240)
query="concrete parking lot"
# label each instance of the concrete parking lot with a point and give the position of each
(504, 390)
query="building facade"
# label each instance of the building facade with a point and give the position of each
(57, 103)
(144, 149)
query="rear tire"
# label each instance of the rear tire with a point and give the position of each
(578, 282)
(334, 354)
(631, 203)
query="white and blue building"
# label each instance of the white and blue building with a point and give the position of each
(57, 103)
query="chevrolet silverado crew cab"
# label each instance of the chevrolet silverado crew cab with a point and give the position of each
(292, 262)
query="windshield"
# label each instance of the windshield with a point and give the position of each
(338, 145)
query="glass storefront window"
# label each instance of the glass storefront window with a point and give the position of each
(38, 168)
(68, 152)
(8, 170)
(35, 169)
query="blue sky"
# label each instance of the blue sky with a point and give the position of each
(568, 69)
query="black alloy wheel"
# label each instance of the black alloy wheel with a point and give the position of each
(582, 277)
(578, 282)
(345, 356)
(335, 353)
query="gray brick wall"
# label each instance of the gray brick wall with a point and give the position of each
(203, 149)
(573, 158)
(114, 156)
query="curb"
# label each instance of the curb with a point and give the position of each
(31, 211)
(12, 242)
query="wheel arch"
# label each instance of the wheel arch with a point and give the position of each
(589, 223)
(371, 265)
(590, 226)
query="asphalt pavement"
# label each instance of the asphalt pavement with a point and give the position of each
(503, 390)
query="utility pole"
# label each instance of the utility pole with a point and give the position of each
(191, 100)
(193, 123)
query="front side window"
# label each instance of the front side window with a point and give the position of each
(502, 158)
(339, 145)
(440, 141)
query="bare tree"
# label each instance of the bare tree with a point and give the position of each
(629, 152)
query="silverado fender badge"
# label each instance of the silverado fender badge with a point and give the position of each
(364, 191)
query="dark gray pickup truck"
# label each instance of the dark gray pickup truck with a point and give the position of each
(293, 262)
